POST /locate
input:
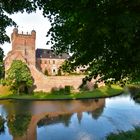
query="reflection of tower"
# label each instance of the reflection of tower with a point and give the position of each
(79, 117)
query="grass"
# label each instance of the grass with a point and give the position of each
(97, 93)
(129, 135)
(4, 90)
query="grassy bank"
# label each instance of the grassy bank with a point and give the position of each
(97, 93)
(129, 135)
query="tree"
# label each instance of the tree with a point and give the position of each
(18, 123)
(1, 63)
(19, 77)
(103, 34)
(6, 8)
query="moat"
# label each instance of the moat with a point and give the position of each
(92, 119)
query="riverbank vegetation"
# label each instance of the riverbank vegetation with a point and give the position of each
(96, 93)
(129, 135)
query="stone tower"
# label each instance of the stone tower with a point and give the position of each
(25, 45)
(23, 48)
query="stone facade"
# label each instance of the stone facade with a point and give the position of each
(47, 60)
(23, 48)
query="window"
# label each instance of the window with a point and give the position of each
(53, 61)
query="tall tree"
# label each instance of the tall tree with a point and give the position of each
(1, 63)
(8, 7)
(103, 34)
(19, 77)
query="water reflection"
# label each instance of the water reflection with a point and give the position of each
(71, 120)
(23, 117)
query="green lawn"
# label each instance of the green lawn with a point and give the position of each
(97, 93)
(129, 135)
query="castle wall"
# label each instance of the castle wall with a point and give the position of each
(47, 83)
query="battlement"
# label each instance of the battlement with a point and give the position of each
(15, 34)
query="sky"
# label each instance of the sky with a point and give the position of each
(26, 23)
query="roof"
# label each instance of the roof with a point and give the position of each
(47, 53)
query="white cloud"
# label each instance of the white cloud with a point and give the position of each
(28, 22)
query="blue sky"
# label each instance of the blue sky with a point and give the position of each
(26, 23)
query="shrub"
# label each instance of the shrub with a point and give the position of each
(67, 89)
(95, 85)
(54, 90)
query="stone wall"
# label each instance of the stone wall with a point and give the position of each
(47, 83)
(23, 48)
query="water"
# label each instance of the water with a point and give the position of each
(68, 120)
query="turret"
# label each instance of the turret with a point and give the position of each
(33, 33)
(15, 32)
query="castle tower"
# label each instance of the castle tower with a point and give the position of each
(24, 44)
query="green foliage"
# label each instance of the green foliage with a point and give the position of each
(95, 86)
(2, 121)
(19, 77)
(105, 35)
(61, 90)
(18, 123)
(101, 92)
(1, 63)
(129, 135)
(7, 7)
(67, 89)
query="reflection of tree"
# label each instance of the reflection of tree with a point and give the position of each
(2, 121)
(79, 116)
(18, 123)
(97, 113)
(135, 93)
(49, 120)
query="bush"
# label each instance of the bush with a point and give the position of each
(54, 90)
(67, 89)
(3, 82)
(95, 86)
(61, 90)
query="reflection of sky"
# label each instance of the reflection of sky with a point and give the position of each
(120, 114)
(5, 135)
(124, 103)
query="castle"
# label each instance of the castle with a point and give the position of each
(23, 48)
(39, 61)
